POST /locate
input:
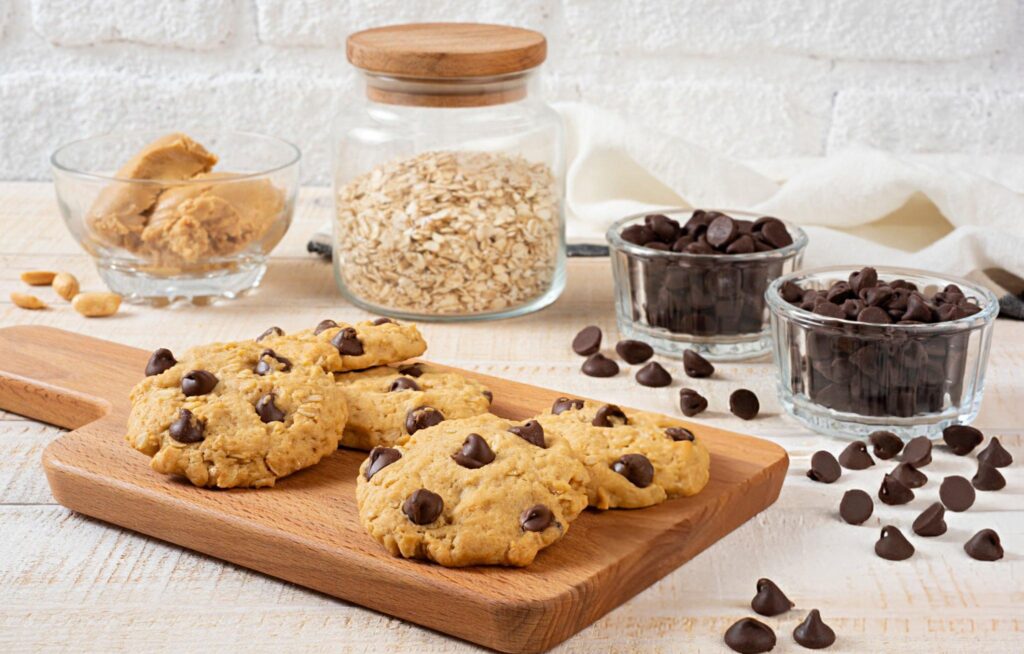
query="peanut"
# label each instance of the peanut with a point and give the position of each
(26, 301)
(96, 305)
(38, 277)
(65, 285)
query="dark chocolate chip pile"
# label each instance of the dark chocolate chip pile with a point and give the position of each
(709, 232)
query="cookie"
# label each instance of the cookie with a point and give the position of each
(472, 492)
(234, 415)
(340, 347)
(634, 460)
(386, 404)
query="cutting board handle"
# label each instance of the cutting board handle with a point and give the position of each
(63, 378)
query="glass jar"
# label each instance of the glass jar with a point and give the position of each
(449, 176)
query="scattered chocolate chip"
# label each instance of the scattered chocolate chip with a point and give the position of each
(536, 518)
(564, 404)
(422, 417)
(634, 352)
(931, 522)
(267, 410)
(995, 455)
(885, 444)
(636, 468)
(271, 331)
(531, 431)
(824, 467)
(403, 384)
(696, 366)
(856, 506)
(598, 365)
(744, 404)
(609, 415)
(475, 452)
(653, 375)
(893, 545)
(382, 321)
(159, 361)
(264, 367)
(956, 493)
(691, 402)
(988, 478)
(679, 434)
(186, 428)
(422, 507)
(770, 600)
(856, 457)
(750, 636)
(198, 382)
(812, 633)
(323, 326)
(894, 492)
(918, 452)
(909, 476)
(984, 546)
(348, 343)
(413, 370)
(588, 341)
(380, 458)
(962, 439)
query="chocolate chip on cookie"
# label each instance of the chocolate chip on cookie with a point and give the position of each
(187, 428)
(422, 417)
(423, 507)
(636, 468)
(679, 434)
(536, 518)
(382, 321)
(609, 415)
(271, 331)
(265, 367)
(323, 326)
(380, 458)
(475, 452)
(403, 384)
(489, 395)
(530, 431)
(160, 361)
(198, 382)
(564, 404)
(413, 370)
(348, 343)
(267, 410)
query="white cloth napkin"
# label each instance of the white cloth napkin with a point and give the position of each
(952, 215)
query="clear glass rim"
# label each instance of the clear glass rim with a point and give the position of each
(292, 158)
(616, 241)
(803, 317)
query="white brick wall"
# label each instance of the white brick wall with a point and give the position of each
(755, 79)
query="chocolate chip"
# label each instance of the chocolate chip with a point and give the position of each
(696, 366)
(159, 361)
(824, 467)
(918, 452)
(267, 410)
(324, 325)
(856, 506)
(691, 402)
(348, 343)
(744, 244)
(931, 522)
(413, 370)
(653, 375)
(956, 493)
(588, 341)
(770, 600)
(909, 476)
(380, 458)
(721, 231)
(609, 415)
(885, 444)
(422, 417)
(197, 382)
(894, 492)
(564, 404)
(863, 278)
(750, 636)
(263, 367)
(666, 229)
(962, 439)
(791, 292)
(744, 404)
(988, 478)
(634, 352)
(637, 234)
(422, 507)
(489, 395)
(892, 545)
(598, 365)
(271, 331)
(403, 384)
(475, 453)
(382, 321)
(776, 234)
(829, 310)
(995, 455)
(856, 457)
(532, 431)
(536, 518)
(679, 434)
(812, 633)
(874, 315)
(186, 428)
(636, 468)
(984, 546)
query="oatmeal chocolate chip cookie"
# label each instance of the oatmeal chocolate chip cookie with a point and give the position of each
(386, 405)
(635, 459)
(234, 414)
(340, 347)
(471, 492)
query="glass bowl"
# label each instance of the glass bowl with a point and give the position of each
(849, 378)
(711, 303)
(191, 234)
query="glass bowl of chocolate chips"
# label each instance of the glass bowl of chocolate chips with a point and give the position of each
(859, 350)
(695, 279)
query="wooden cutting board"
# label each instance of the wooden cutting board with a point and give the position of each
(305, 529)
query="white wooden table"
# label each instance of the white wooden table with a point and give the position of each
(72, 583)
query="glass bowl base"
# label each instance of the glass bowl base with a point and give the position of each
(137, 287)
(741, 347)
